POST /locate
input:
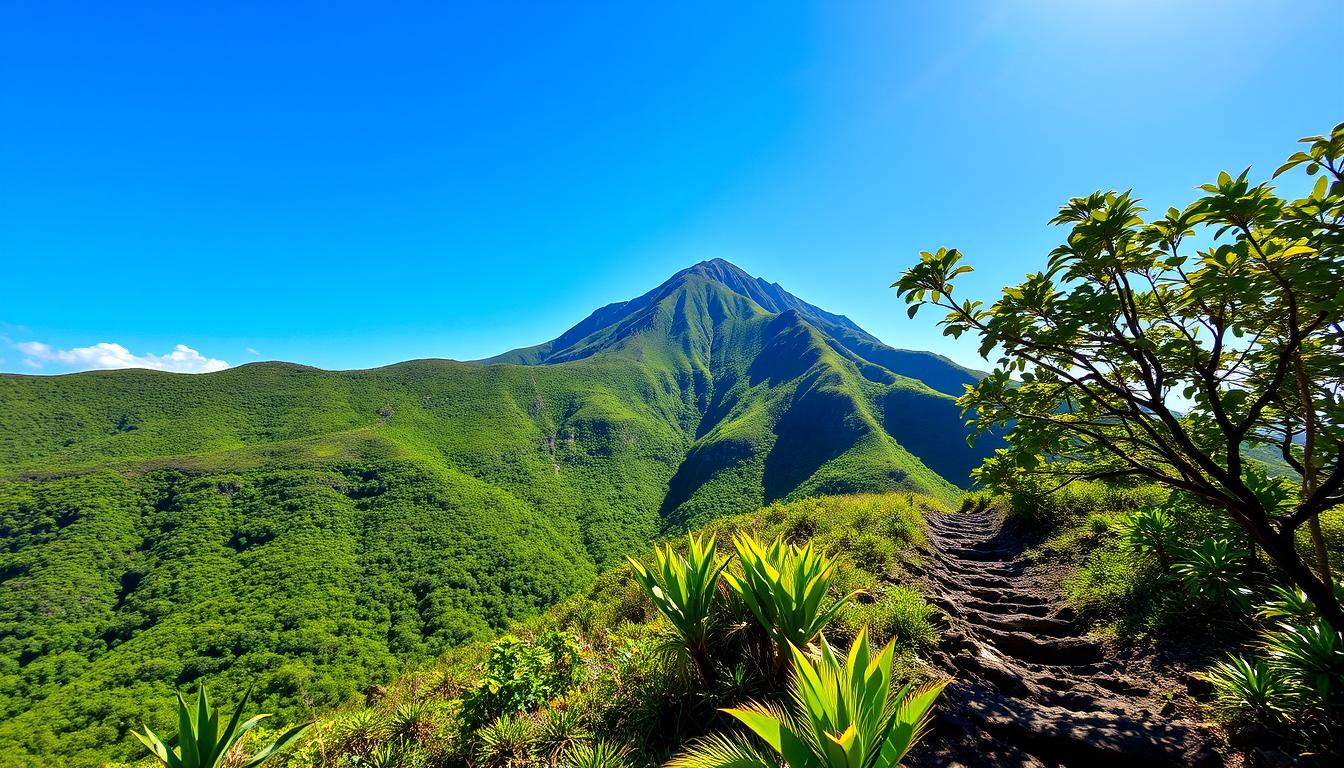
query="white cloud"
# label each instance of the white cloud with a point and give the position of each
(252, 352)
(182, 359)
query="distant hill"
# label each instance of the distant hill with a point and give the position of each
(320, 529)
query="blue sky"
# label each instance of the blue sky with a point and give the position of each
(352, 185)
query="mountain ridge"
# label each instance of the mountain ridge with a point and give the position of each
(347, 523)
(770, 297)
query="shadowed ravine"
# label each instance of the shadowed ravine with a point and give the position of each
(1031, 687)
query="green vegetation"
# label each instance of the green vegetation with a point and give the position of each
(1147, 563)
(842, 715)
(683, 589)
(317, 531)
(787, 587)
(1095, 351)
(603, 679)
(1194, 519)
(200, 743)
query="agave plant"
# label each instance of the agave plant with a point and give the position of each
(1311, 654)
(1250, 690)
(1288, 604)
(414, 721)
(597, 754)
(786, 587)
(507, 742)
(361, 731)
(1214, 571)
(843, 714)
(1150, 531)
(201, 743)
(683, 590)
(559, 730)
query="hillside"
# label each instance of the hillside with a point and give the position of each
(322, 529)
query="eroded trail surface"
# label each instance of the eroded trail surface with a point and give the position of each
(1031, 688)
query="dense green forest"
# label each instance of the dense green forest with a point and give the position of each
(316, 531)
(605, 670)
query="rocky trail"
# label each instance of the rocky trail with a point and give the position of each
(1031, 687)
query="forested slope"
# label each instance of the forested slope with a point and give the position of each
(321, 529)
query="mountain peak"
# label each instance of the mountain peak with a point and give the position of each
(719, 269)
(705, 296)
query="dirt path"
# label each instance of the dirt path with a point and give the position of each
(1032, 689)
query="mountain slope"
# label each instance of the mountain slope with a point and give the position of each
(793, 399)
(319, 529)
(593, 335)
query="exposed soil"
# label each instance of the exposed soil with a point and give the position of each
(1032, 687)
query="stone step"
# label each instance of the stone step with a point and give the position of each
(1065, 651)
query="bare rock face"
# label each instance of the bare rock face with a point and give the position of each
(1031, 688)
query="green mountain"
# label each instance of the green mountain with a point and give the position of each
(320, 529)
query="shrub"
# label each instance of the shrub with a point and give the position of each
(900, 615)
(1214, 572)
(520, 675)
(1249, 690)
(844, 714)
(200, 743)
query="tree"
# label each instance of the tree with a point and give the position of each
(1132, 356)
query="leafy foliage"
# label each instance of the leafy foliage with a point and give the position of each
(597, 754)
(344, 525)
(1248, 691)
(1150, 531)
(1215, 571)
(1094, 352)
(842, 715)
(625, 704)
(519, 675)
(1312, 655)
(787, 588)
(201, 743)
(683, 590)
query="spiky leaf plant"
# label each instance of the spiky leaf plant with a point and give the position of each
(1289, 604)
(200, 741)
(1311, 654)
(559, 730)
(683, 589)
(787, 589)
(842, 714)
(597, 754)
(1249, 690)
(1150, 531)
(507, 742)
(1215, 571)
(414, 721)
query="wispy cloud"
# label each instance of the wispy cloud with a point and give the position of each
(106, 355)
(252, 352)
